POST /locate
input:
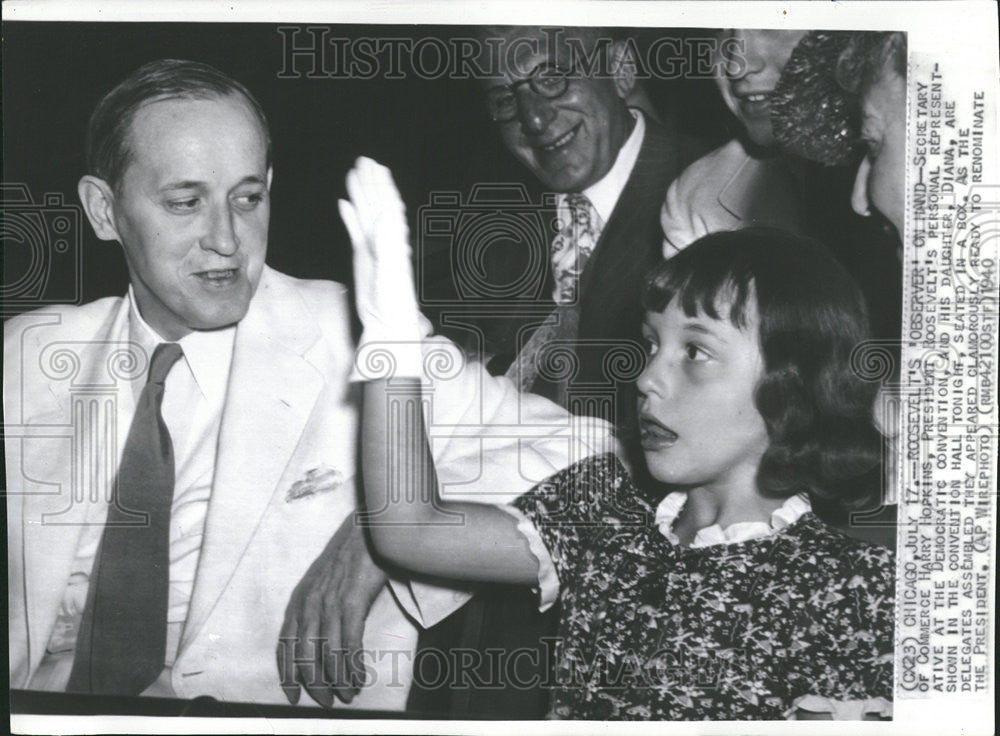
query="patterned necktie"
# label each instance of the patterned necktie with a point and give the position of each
(572, 246)
(122, 642)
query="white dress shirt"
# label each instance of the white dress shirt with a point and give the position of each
(605, 193)
(193, 398)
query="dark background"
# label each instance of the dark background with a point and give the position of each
(433, 134)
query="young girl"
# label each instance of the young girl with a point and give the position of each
(730, 598)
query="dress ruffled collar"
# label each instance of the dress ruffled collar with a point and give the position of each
(788, 513)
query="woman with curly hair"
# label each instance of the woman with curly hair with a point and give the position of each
(730, 598)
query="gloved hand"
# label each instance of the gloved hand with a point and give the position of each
(375, 218)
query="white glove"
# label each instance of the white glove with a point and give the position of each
(375, 218)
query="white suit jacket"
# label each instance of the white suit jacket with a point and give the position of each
(68, 404)
(68, 401)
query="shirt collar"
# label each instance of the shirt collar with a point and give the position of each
(208, 353)
(604, 194)
(788, 513)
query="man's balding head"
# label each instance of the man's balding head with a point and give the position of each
(107, 142)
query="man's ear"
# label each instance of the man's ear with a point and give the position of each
(99, 203)
(623, 66)
(270, 176)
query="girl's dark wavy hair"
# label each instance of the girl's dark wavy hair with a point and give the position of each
(818, 411)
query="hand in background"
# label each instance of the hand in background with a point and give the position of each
(330, 604)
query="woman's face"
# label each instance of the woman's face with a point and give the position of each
(879, 182)
(698, 422)
(752, 70)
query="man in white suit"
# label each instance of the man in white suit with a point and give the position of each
(262, 419)
(259, 422)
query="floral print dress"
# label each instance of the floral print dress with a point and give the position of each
(746, 630)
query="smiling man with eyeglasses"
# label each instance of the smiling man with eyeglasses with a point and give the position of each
(565, 126)
(562, 101)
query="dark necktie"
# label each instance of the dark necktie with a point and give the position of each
(121, 646)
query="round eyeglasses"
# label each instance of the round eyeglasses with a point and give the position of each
(549, 83)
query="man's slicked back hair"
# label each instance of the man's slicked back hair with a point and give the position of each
(106, 145)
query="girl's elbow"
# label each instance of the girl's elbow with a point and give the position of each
(394, 544)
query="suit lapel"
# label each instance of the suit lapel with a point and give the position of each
(623, 255)
(766, 192)
(617, 254)
(271, 394)
(84, 466)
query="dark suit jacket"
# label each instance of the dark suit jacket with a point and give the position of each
(632, 241)
(609, 314)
